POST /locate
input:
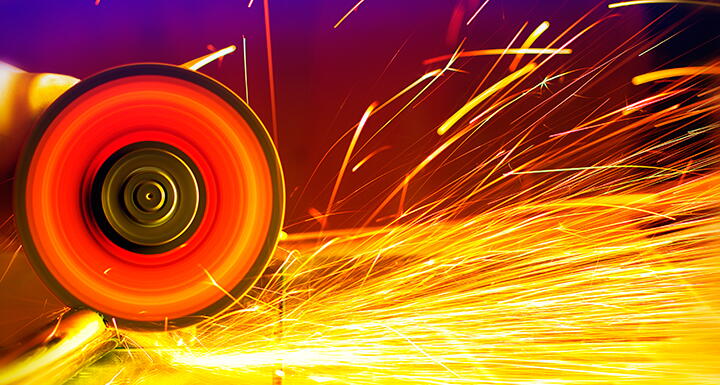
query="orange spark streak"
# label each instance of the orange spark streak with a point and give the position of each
(217, 285)
(348, 13)
(483, 95)
(12, 260)
(641, 2)
(428, 75)
(247, 87)
(271, 73)
(365, 159)
(318, 216)
(452, 120)
(250, 3)
(501, 51)
(477, 12)
(497, 61)
(675, 72)
(202, 61)
(648, 101)
(530, 40)
(353, 141)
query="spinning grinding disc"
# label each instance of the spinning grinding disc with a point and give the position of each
(151, 194)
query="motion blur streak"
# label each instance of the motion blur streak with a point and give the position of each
(643, 2)
(674, 72)
(597, 274)
(586, 253)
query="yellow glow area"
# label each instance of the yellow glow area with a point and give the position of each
(202, 61)
(675, 72)
(528, 42)
(66, 346)
(472, 104)
(353, 9)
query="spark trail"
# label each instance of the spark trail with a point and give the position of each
(588, 255)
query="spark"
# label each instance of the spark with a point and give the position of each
(608, 167)
(482, 96)
(245, 70)
(580, 259)
(349, 151)
(202, 61)
(10, 263)
(217, 285)
(112, 380)
(318, 216)
(502, 51)
(271, 72)
(530, 40)
(429, 75)
(477, 12)
(658, 44)
(446, 126)
(353, 9)
(643, 2)
(370, 155)
(675, 72)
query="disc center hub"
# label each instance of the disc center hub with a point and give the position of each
(148, 197)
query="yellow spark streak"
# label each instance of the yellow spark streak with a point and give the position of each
(349, 151)
(641, 2)
(675, 72)
(370, 155)
(530, 40)
(608, 167)
(217, 285)
(353, 9)
(200, 62)
(477, 12)
(501, 51)
(445, 126)
(12, 260)
(559, 275)
(428, 75)
(482, 96)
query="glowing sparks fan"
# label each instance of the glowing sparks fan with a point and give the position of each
(149, 193)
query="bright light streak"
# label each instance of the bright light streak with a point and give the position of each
(571, 259)
(675, 72)
(370, 155)
(245, 71)
(271, 72)
(349, 151)
(477, 12)
(530, 40)
(353, 9)
(643, 2)
(503, 51)
(472, 104)
(200, 62)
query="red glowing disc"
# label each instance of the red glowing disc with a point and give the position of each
(231, 239)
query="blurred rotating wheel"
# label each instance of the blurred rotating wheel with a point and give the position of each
(146, 192)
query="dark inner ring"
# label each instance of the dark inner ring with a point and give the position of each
(148, 197)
